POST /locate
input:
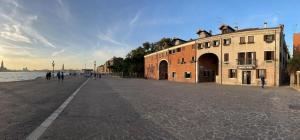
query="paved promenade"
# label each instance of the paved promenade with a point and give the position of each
(137, 109)
(25, 105)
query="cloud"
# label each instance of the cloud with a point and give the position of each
(13, 33)
(58, 52)
(18, 26)
(136, 17)
(63, 12)
(10, 50)
(108, 38)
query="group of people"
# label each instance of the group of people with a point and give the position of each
(48, 75)
(60, 76)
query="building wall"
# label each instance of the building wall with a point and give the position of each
(275, 69)
(296, 45)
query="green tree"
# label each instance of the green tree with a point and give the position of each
(294, 64)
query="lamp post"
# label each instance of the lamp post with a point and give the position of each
(94, 66)
(53, 64)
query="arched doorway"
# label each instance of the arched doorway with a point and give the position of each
(163, 70)
(208, 67)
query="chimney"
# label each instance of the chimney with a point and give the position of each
(236, 28)
(210, 32)
(265, 25)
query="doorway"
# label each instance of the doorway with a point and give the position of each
(163, 70)
(208, 67)
(246, 77)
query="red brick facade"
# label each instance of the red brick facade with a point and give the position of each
(237, 57)
(297, 43)
(180, 60)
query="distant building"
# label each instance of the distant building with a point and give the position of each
(106, 67)
(296, 46)
(2, 68)
(235, 56)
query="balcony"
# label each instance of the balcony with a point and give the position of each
(246, 64)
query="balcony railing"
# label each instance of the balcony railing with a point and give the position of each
(248, 63)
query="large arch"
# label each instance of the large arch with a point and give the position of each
(163, 70)
(208, 67)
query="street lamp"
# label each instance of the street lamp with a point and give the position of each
(53, 64)
(94, 66)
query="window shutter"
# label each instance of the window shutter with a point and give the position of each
(272, 55)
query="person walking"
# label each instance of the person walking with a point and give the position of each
(262, 80)
(58, 76)
(62, 77)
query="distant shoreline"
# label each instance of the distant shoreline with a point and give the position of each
(27, 80)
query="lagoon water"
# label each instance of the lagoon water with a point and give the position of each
(19, 76)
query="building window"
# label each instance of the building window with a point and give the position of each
(226, 57)
(250, 39)
(187, 75)
(207, 44)
(269, 38)
(173, 74)
(216, 43)
(193, 59)
(227, 42)
(182, 61)
(242, 40)
(269, 55)
(260, 73)
(241, 58)
(178, 49)
(200, 46)
(170, 51)
(232, 73)
(173, 51)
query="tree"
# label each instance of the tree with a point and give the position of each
(134, 61)
(294, 64)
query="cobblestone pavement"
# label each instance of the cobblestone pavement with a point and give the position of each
(25, 105)
(115, 108)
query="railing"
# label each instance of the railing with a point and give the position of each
(248, 63)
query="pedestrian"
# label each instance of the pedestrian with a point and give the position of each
(47, 75)
(262, 80)
(62, 77)
(58, 76)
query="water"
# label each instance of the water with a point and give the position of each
(20, 76)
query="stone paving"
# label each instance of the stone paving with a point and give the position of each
(115, 108)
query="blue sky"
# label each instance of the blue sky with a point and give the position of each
(78, 32)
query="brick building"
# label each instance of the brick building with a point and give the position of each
(105, 68)
(237, 57)
(296, 46)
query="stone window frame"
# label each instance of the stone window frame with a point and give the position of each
(251, 41)
(269, 58)
(226, 58)
(226, 41)
(214, 43)
(269, 38)
(258, 73)
(232, 73)
(174, 74)
(186, 74)
(242, 40)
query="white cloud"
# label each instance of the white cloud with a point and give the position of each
(108, 38)
(14, 33)
(58, 52)
(134, 20)
(18, 26)
(63, 12)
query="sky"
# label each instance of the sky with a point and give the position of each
(33, 33)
